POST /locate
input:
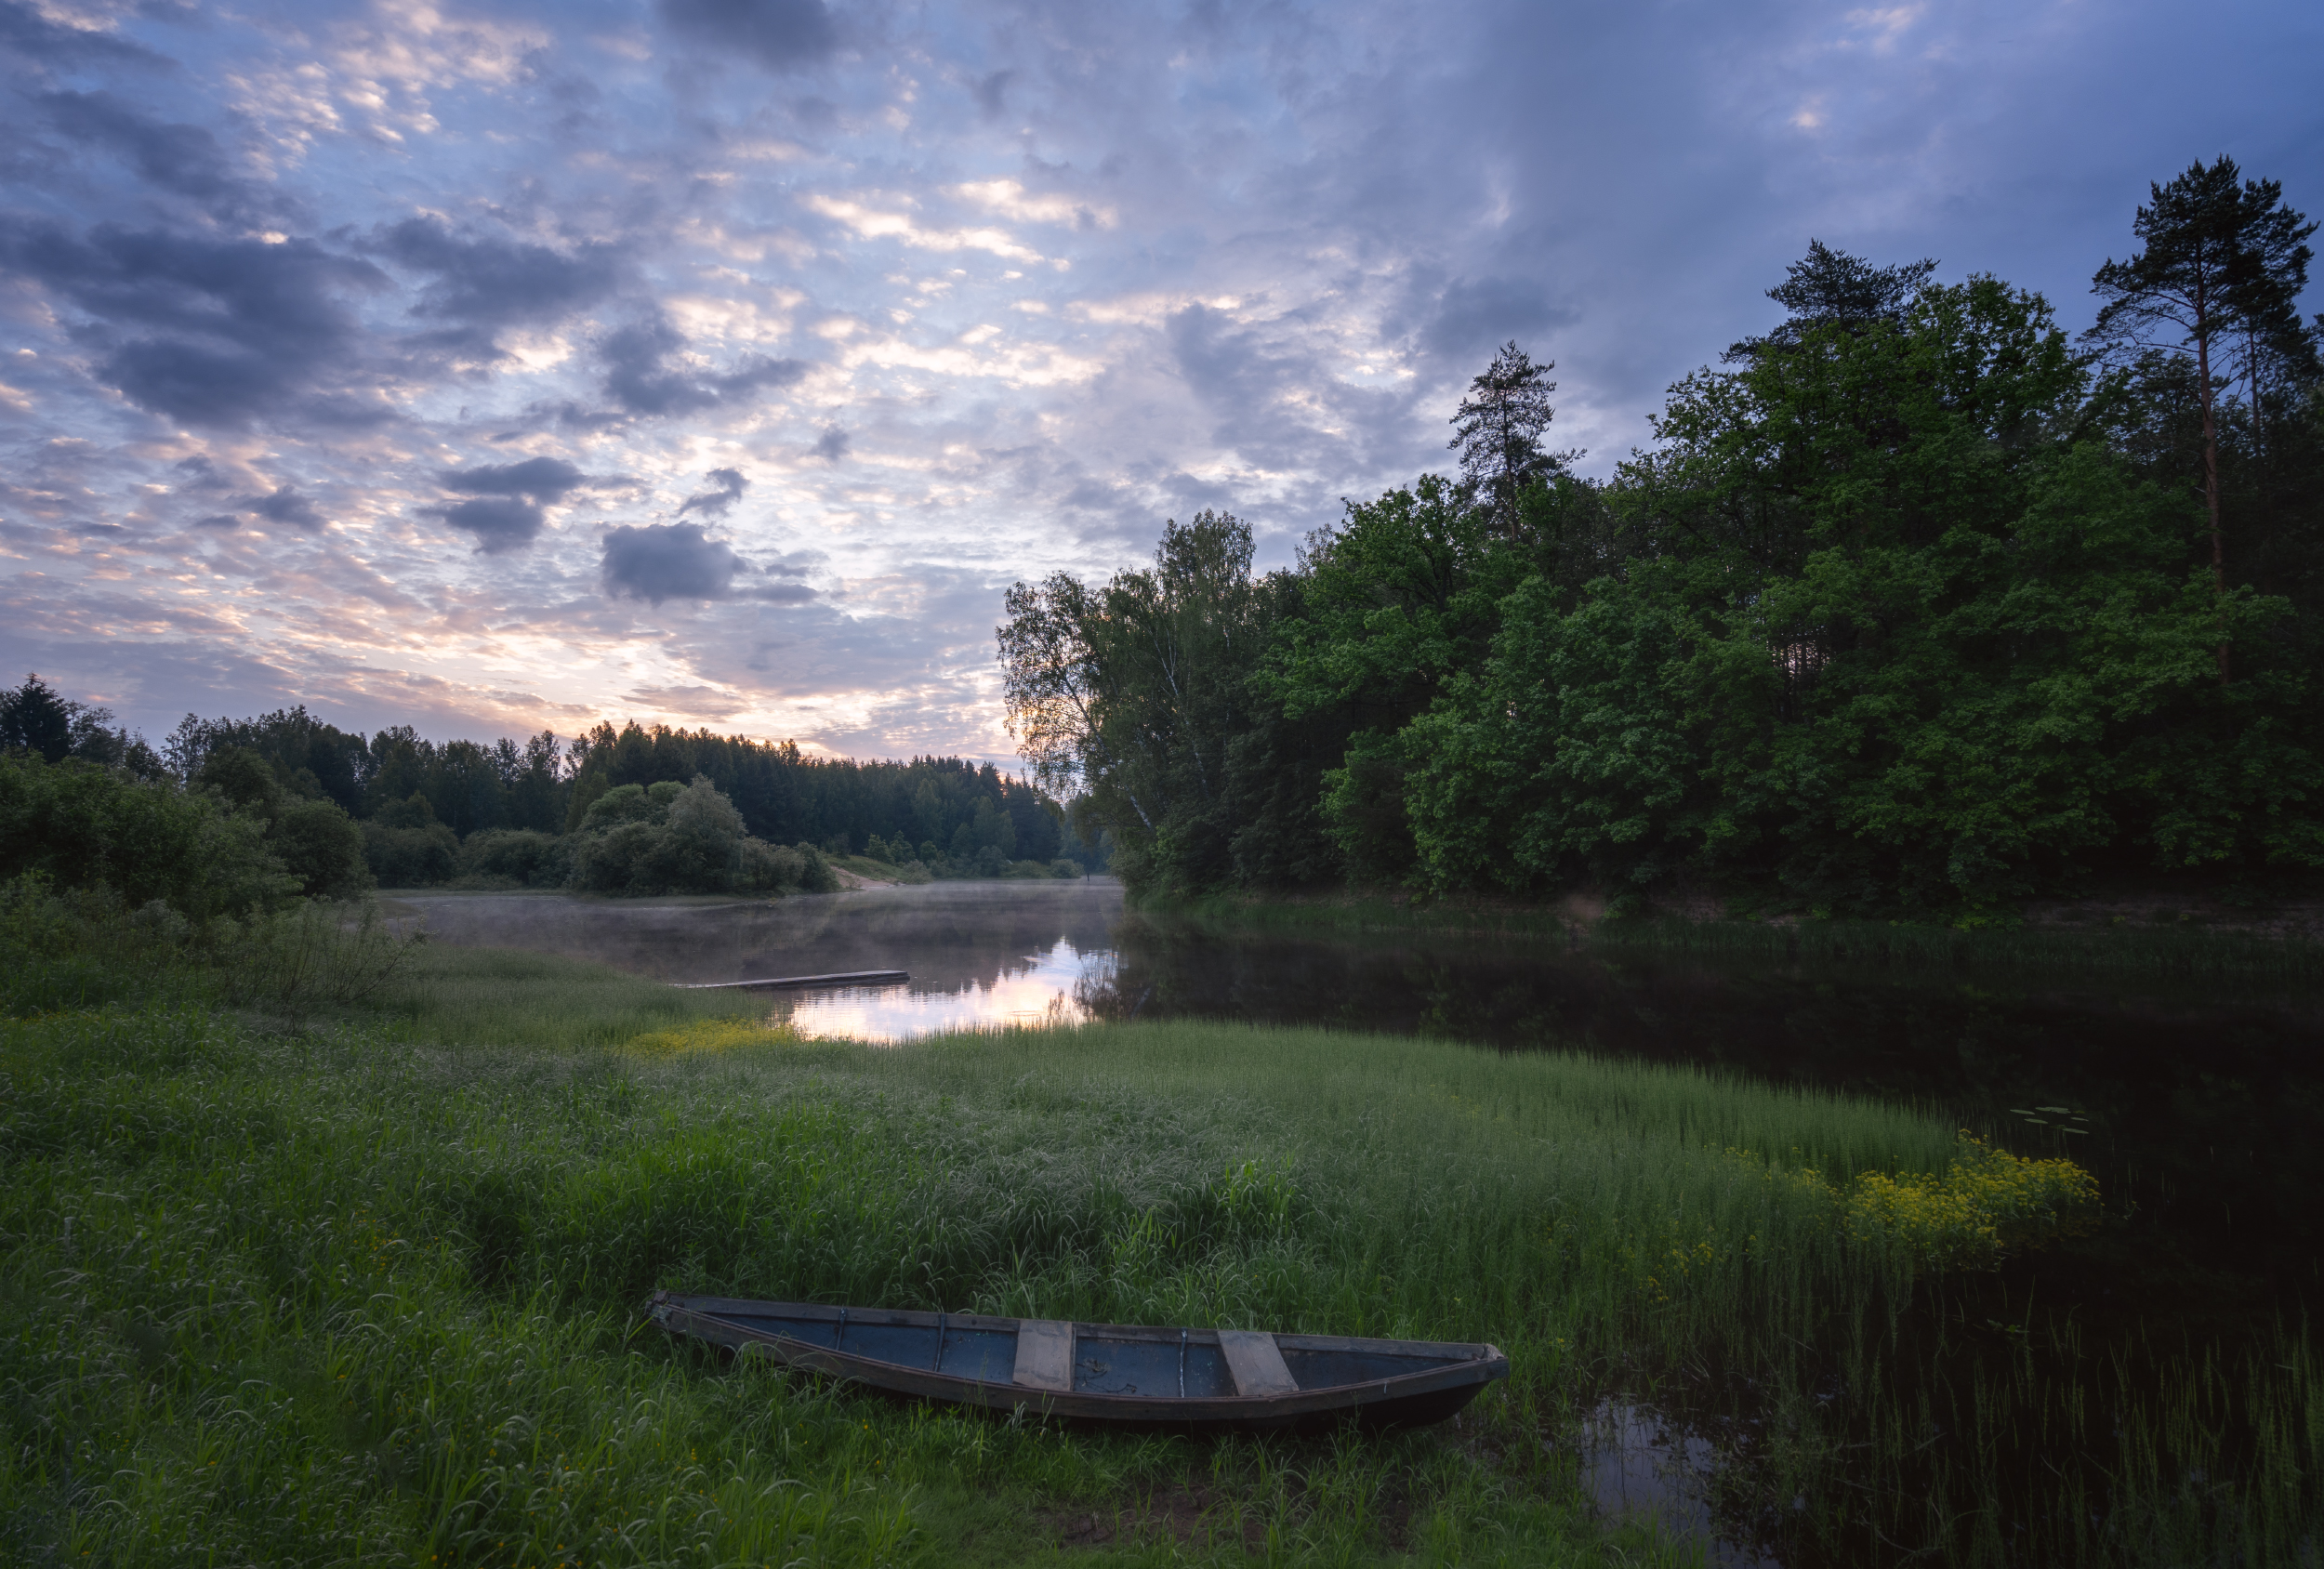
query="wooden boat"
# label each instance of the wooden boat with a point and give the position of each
(1198, 1380)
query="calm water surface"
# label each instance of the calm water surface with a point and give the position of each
(2203, 1101)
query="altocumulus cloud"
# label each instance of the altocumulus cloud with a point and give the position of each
(507, 503)
(212, 332)
(668, 561)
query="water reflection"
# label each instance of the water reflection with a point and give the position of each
(1045, 990)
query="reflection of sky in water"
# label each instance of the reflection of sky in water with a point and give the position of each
(1040, 990)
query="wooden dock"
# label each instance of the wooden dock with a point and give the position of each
(846, 978)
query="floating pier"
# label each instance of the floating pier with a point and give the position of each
(848, 978)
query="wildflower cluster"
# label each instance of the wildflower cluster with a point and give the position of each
(1987, 1204)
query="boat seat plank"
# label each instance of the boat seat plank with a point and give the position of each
(1256, 1363)
(1045, 1355)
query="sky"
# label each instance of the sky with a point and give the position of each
(499, 367)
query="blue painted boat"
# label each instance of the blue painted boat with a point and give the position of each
(1212, 1380)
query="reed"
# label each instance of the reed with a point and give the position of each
(368, 1291)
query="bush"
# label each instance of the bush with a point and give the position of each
(83, 826)
(313, 953)
(323, 848)
(673, 838)
(522, 856)
(411, 857)
(1061, 867)
(318, 843)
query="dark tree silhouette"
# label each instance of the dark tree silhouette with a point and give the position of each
(1828, 288)
(1498, 431)
(2224, 262)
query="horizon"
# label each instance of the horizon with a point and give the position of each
(496, 368)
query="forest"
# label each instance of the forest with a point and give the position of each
(639, 810)
(1916, 607)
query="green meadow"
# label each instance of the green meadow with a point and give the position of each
(365, 1288)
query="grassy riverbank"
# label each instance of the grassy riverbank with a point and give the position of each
(366, 1290)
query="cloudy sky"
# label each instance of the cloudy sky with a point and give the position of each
(499, 366)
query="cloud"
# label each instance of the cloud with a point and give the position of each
(184, 160)
(286, 505)
(668, 561)
(832, 444)
(499, 522)
(547, 480)
(1475, 315)
(498, 283)
(779, 34)
(32, 35)
(640, 377)
(508, 502)
(992, 92)
(715, 502)
(216, 333)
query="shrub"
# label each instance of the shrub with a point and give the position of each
(83, 826)
(313, 954)
(523, 856)
(323, 848)
(673, 838)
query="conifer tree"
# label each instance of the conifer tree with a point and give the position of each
(1498, 431)
(2223, 264)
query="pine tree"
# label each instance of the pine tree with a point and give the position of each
(1497, 430)
(2224, 261)
(1828, 288)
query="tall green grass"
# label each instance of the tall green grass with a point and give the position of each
(369, 1292)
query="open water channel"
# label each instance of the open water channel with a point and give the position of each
(2202, 1101)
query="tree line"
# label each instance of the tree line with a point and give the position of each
(636, 808)
(1915, 605)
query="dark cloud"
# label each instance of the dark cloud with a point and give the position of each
(508, 502)
(715, 502)
(499, 522)
(992, 93)
(210, 332)
(668, 561)
(639, 379)
(184, 160)
(286, 505)
(25, 32)
(779, 34)
(493, 282)
(545, 479)
(1476, 315)
(832, 444)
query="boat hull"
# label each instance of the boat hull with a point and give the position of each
(1117, 1375)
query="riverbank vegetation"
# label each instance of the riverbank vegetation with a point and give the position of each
(347, 810)
(1916, 608)
(367, 1285)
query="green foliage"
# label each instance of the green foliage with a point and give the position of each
(668, 838)
(519, 856)
(1904, 614)
(407, 847)
(84, 827)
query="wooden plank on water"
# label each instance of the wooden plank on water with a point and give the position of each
(1257, 1365)
(846, 978)
(1045, 1355)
